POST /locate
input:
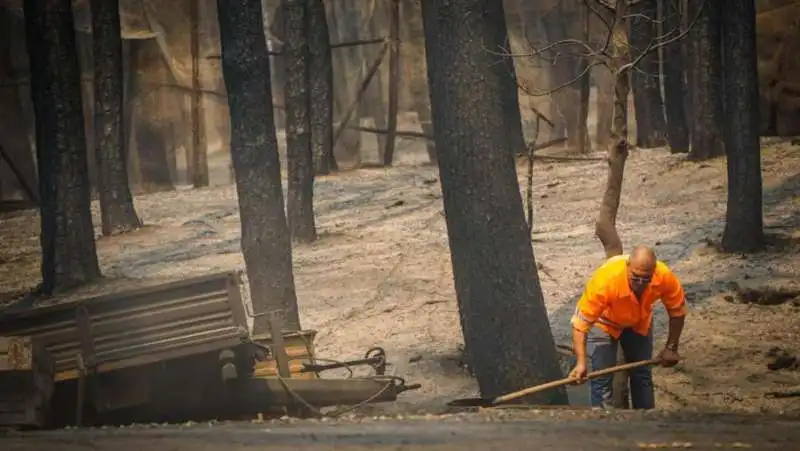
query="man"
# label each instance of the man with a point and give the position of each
(617, 307)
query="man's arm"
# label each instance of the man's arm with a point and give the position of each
(674, 300)
(675, 329)
(579, 346)
(590, 306)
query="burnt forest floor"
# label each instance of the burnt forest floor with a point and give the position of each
(380, 274)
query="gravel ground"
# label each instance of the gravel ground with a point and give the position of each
(489, 430)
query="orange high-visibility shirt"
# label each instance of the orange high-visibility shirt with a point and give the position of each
(609, 303)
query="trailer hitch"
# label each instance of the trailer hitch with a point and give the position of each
(375, 357)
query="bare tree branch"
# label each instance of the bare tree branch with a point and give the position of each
(608, 6)
(539, 93)
(601, 17)
(538, 53)
(601, 56)
(641, 16)
(663, 43)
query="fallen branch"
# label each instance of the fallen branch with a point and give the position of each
(783, 393)
(340, 45)
(381, 131)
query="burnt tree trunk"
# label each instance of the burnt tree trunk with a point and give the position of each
(744, 224)
(559, 24)
(128, 96)
(674, 84)
(497, 286)
(275, 28)
(584, 83)
(604, 80)
(706, 81)
(151, 131)
(347, 16)
(117, 213)
(510, 89)
(415, 75)
(393, 104)
(651, 128)
(266, 245)
(606, 225)
(69, 256)
(374, 103)
(320, 69)
(83, 42)
(198, 169)
(300, 160)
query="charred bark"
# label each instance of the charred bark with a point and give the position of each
(604, 81)
(300, 159)
(674, 84)
(266, 244)
(199, 157)
(83, 44)
(394, 84)
(706, 81)
(497, 285)
(69, 256)
(275, 27)
(117, 213)
(320, 69)
(744, 224)
(651, 127)
(606, 224)
(513, 116)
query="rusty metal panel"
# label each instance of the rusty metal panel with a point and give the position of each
(138, 327)
(26, 382)
(23, 354)
(16, 354)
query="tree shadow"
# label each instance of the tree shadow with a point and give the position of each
(179, 251)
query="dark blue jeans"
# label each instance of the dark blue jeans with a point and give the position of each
(602, 350)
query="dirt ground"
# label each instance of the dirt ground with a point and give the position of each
(380, 275)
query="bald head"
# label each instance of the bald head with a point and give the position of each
(643, 260)
(641, 266)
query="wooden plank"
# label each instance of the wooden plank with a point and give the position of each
(299, 348)
(278, 348)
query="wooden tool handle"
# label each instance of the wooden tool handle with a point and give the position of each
(570, 380)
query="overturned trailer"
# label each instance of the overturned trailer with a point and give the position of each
(176, 351)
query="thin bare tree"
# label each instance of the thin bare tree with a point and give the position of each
(621, 59)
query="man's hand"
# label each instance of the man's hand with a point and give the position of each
(669, 358)
(579, 373)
